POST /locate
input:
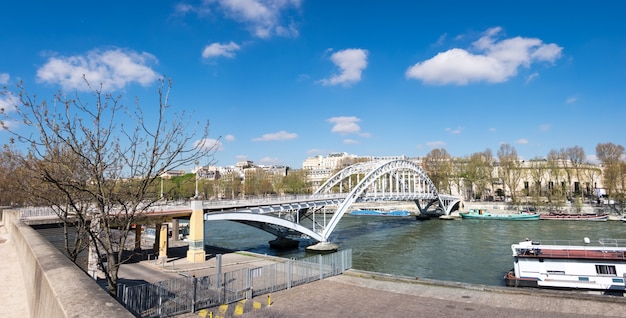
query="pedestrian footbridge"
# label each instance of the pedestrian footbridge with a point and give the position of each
(315, 216)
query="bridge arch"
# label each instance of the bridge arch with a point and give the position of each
(390, 180)
(258, 220)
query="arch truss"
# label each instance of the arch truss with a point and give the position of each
(395, 180)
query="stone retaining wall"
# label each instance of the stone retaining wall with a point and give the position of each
(55, 287)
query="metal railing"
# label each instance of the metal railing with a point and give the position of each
(190, 294)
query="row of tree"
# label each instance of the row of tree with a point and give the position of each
(562, 174)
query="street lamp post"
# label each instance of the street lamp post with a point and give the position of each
(197, 162)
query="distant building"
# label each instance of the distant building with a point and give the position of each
(320, 168)
(172, 173)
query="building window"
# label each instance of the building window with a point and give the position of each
(606, 270)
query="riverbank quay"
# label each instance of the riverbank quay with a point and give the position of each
(366, 294)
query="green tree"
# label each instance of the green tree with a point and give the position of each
(295, 182)
(438, 165)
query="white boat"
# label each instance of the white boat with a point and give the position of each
(569, 265)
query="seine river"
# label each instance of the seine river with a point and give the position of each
(468, 251)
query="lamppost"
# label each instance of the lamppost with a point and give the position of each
(197, 162)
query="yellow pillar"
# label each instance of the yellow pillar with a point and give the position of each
(196, 253)
(163, 242)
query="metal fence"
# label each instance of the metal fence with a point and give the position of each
(189, 294)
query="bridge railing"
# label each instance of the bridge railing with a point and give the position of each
(263, 200)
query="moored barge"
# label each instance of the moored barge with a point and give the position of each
(569, 265)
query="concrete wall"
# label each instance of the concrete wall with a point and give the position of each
(55, 287)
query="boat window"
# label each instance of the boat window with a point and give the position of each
(606, 270)
(583, 279)
(556, 272)
(618, 280)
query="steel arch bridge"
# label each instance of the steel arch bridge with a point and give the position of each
(396, 180)
(372, 181)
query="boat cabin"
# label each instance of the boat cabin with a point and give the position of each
(568, 264)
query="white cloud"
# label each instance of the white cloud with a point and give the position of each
(316, 151)
(8, 102)
(208, 144)
(262, 17)
(545, 127)
(229, 138)
(350, 142)
(114, 69)
(494, 61)
(531, 77)
(570, 100)
(281, 135)
(269, 161)
(218, 49)
(454, 131)
(435, 144)
(4, 78)
(351, 63)
(522, 141)
(345, 125)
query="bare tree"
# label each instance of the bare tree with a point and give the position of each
(104, 174)
(510, 168)
(610, 156)
(576, 156)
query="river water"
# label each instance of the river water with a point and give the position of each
(468, 251)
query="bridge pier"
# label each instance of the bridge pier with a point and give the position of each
(323, 247)
(162, 241)
(196, 253)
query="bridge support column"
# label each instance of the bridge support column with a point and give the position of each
(163, 243)
(196, 253)
(175, 229)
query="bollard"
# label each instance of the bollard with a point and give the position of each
(210, 314)
(269, 302)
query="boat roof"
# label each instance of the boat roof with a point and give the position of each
(605, 249)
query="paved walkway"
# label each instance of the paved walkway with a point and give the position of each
(370, 295)
(12, 290)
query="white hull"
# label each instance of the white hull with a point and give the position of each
(594, 267)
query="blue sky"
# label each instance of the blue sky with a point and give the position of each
(283, 80)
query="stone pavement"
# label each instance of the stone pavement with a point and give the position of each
(365, 294)
(359, 294)
(12, 290)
